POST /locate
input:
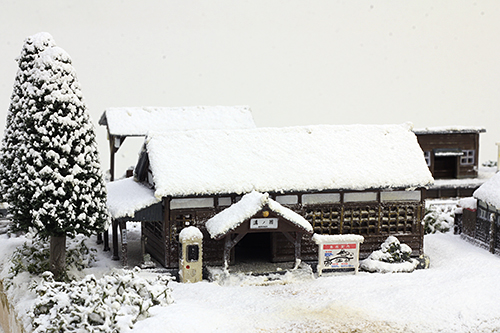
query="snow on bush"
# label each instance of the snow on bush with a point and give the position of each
(110, 304)
(393, 257)
(33, 257)
(489, 164)
(439, 218)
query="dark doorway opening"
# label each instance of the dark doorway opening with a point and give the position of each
(254, 247)
(445, 167)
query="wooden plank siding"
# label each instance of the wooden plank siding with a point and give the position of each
(374, 220)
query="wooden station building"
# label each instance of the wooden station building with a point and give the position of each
(355, 179)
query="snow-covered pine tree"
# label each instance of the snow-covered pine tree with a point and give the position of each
(14, 135)
(57, 187)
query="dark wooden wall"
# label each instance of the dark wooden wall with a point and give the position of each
(375, 222)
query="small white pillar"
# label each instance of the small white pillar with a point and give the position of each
(191, 256)
(498, 156)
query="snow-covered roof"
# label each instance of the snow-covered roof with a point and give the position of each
(286, 159)
(126, 196)
(322, 239)
(250, 204)
(138, 121)
(449, 130)
(489, 192)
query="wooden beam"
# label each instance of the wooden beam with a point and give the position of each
(229, 243)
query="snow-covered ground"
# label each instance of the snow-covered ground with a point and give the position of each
(458, 293)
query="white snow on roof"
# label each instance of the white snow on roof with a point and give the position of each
(309, 158)
(126, 196)
(249, 205)
(449, 129)
(322, 239)
(489, 192)
(138, 121)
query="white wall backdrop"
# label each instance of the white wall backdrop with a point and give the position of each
(294, 62)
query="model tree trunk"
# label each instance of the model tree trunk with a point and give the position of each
(57, 260)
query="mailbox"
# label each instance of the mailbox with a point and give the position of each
(191, 256)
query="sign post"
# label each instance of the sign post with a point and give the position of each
(338, 253)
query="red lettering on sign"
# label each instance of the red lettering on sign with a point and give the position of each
(338, 246)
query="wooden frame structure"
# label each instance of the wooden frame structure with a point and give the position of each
(382, 214)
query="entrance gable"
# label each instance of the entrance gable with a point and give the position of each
(260, 213)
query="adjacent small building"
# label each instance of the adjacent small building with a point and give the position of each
(355, 179)
(451, 153)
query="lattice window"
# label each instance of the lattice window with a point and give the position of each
(360, 220)
(325, 220)
(468, 157)
(427, 156)
(397, 219)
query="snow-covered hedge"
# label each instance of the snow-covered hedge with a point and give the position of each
(439, 218)
(33, 257)
(393, 257)
(109, 304)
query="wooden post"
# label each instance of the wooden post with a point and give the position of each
(493, 232)
(123, 232)
(115, 240)
(106, 240)
(57, 260)
(298, 245)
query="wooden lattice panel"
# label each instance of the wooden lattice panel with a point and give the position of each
(360, 220)
(325, 220)
(397, 219)
(483, 230)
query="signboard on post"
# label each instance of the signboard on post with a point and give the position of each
(338, 253)
(264, 223)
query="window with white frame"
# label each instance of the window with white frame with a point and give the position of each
(468, 157)
(427, 156)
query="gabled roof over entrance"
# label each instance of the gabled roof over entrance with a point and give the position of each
(489, 192)
(249, 205)
(311, 158)
(138, 121)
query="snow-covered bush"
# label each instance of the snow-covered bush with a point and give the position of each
(439, 218)
(489, 163)
(33, 257)
(110, 304)
(392, 257)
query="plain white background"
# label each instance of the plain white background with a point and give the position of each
(293, 62)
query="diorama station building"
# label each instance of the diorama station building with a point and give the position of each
(355, 179)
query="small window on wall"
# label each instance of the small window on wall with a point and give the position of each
(427, 156)
(468, 157)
